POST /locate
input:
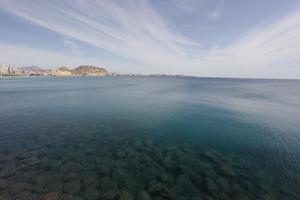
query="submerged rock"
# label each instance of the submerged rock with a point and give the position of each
(7, 172)
(211, 186)
(91, 193)
(3, 184)
(26, 154)
(186, 185)
(33, 161)
(51, 196)
(17, 187)
(72, 187)
(241, 197)
(226, 171)
(106, 184)
(125, 195)
(166, 178)
(26, 195)
(158, 189)
(223, 184)
(110, 195)
(144, 196)
(4, 196)
(70, 176)
(212, 156)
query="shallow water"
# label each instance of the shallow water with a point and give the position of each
(149, 138)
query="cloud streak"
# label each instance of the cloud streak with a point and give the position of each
(136, 31)
(215, 14)
(132, 29)
(72, 46)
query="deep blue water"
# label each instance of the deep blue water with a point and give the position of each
(149, 138)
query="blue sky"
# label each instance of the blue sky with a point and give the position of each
(223, 38)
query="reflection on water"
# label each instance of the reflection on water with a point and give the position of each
(149, 138)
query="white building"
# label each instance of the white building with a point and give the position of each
(4, 69)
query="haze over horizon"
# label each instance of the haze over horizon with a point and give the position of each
(217, 38)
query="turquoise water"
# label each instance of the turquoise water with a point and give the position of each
(149, 138)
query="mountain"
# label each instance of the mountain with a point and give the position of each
(83, 70)
(86, 70)
(31, 68)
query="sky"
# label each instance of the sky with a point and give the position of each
(208, 38)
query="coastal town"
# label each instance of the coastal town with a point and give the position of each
(84, 70)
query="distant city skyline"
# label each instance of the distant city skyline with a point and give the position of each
(211, 38)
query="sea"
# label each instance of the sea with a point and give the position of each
(149, 138)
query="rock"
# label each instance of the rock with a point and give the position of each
(149, 173)
(70, 176)
(226, 171)
(90, 71)
(120, 176)
(51, 196)
(49, 183)
(4, 197)
(224, 196)
(26, 155)
(91, 193)
(186, 185)
(90, 181)
(144, 196)
(35, 188)
(223, 184)
(236, 189)
(70, 197)
(7, 172)
(241, 197)
(125, 195)
(33, 161)
(266, 197)
(158, 189)
(17, 187)
(30, 175)
(110, 195)
(4, 158)
(54, 164)
(206, 169)
(26, 196)
(168, 163)
(166, 178)
(212, 156)
(42, 180)
(209, 198)
(72, 187)
(211, 186)
(106, 184)
(3, 184)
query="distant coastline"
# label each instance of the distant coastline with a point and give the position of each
(83, 70)
(92, 71)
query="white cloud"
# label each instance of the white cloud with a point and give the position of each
(132, 29)
(73, 46)
(136, 31)
(215, 14)
(28, 56)
(33, 56)
(266, 45)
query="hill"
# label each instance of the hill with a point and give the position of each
(86, 70)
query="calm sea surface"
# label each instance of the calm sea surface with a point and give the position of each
(149, 138)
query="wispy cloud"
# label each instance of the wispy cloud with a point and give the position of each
(36, 56)
(266, 45)
(215, 14)
(72, 46)
(132, 29)
(136, 31)
(27, 56)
